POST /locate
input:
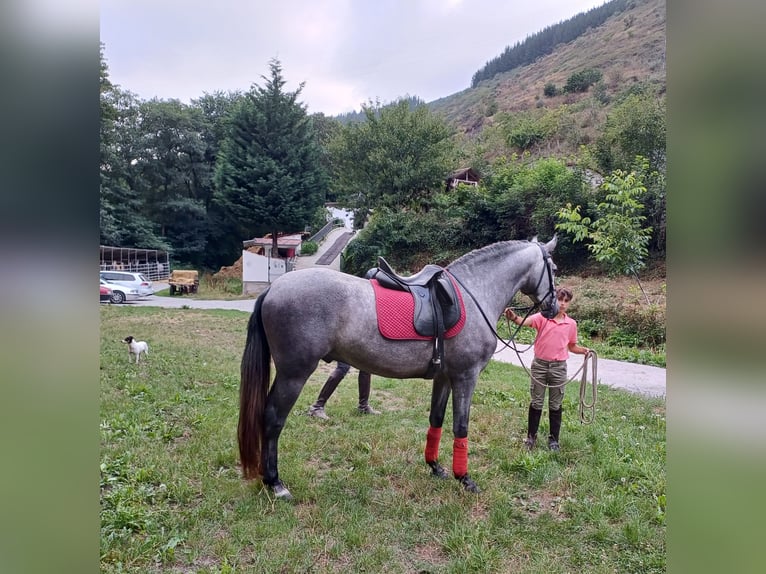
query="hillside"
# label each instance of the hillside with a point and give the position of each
(629, 48)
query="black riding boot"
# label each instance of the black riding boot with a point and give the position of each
(555, 419)
(533, 422)
(364, 394)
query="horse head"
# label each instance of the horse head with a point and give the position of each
(541, 287)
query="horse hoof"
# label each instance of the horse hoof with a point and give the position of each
(438, 470)
(281, 492)
(469, 484)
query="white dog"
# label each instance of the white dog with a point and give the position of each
(136, 348)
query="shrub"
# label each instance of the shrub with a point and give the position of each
(582, 80)
(550, 90)
(309, 248)
(645, 322)
(600, 93)
(590, 327)
(621, 324)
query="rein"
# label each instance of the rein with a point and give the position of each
(551, 295)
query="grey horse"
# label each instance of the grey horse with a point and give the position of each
(318, 314)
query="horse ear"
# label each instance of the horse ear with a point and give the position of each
(551, 245)
(534, 239)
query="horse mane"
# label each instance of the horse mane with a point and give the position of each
(492, 251)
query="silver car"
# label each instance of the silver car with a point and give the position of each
(126, 286)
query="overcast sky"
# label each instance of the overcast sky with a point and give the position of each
(347, 52)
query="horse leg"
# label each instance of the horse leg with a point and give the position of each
(461, 407)
(280, 401)
(439, 397)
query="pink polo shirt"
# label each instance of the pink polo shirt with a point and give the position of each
(553, 339)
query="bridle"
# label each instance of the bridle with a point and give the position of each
(553, 307)
(547, 267)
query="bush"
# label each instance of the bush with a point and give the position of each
(526, 131)
(582, 80)
(550, 90)
(214, 285)
(309, 248)
(590, 327)
(621, 324)
(646, 323)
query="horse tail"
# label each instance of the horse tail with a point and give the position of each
(254, 386)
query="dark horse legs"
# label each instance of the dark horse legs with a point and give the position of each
(461, 405)
(280, 401)
(439, 397)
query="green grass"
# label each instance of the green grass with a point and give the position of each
(216, 288)
(173, 500)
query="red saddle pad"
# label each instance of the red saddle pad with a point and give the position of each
(396, 310)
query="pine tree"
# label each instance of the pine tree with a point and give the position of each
(269, 174)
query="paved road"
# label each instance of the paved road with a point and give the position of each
(642, 379)
(181, 301)
(334, 250)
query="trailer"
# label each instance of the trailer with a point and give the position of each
(183, 281)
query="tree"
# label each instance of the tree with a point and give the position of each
(525, 197)
(176, 177)
(636, 126)
(122, 217)
(325, 129)
(398, 157)
(269, 174)
(617, 236)
(222, 237)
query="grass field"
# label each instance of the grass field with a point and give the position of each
(173, 500)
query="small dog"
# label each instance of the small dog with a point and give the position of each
(136, 348)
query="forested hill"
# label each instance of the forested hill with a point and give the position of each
(545, 41)
(628, 48)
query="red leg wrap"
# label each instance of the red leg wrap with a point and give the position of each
(433, 437)
(460, 457)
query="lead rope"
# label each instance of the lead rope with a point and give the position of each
(591, 407)
(584, 406)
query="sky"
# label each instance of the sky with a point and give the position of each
(345, 52)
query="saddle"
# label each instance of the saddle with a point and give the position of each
(437, 305)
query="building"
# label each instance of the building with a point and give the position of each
(466, 175)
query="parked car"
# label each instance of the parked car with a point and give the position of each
(126, 286)
(105, 293)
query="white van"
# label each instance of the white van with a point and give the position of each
(127, 286)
